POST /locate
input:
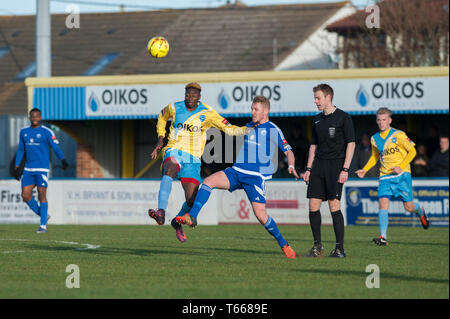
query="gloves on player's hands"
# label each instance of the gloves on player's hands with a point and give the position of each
(64, 164)
(17, 173)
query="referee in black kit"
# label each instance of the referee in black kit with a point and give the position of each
(330, 155)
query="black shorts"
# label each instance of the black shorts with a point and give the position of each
(323, 181)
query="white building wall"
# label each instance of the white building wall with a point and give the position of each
(319, 50)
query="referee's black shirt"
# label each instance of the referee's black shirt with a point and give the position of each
(331, 134)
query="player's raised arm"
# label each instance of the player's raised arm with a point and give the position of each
(221, 123)
(163, 117)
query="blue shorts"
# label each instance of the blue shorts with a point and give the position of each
(253, 185)
(188, 165)
(396, 186)
(34, 178)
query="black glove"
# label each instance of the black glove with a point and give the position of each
(64, 164)
(17, 174)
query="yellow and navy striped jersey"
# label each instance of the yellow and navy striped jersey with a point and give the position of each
(188, 129)
(392, 148)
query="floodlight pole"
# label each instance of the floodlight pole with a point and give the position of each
(43, 39)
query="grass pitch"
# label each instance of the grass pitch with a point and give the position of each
(226, 261)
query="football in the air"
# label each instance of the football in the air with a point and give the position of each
(158, 47)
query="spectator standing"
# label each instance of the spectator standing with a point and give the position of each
(438, 165)
(419, 166)
(432, 141)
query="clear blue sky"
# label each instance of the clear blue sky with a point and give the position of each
(20, 7)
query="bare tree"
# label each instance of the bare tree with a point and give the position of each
(411, 33)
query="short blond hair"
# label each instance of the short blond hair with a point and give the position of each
(263, 100)
(384, 110)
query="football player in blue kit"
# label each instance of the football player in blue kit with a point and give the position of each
(253, 167)
(34, 144)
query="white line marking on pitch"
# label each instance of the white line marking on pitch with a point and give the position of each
(88, 246)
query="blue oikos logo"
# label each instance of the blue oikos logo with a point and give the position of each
(223, 99)
(362, 97)
(93, 102)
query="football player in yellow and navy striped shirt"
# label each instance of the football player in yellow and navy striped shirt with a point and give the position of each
(190, 119)
(395, 151)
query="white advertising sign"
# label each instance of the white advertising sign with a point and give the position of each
(286, 202)
(351, 95)
(96, 202)
(289, 98)
(13, 210)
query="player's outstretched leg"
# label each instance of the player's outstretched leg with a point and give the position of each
(201, 198)
(270, 225)
(272, 228)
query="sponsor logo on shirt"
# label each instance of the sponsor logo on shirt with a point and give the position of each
(332, 131)
(188, 127)
(390, 151)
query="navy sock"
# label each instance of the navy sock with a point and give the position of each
(338, 225)
(315, 220)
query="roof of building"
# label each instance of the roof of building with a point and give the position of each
(228, 38)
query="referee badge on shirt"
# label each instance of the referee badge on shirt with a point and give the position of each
(332, 131)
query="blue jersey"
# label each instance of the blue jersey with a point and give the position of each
(259, 148)
(34, 143)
